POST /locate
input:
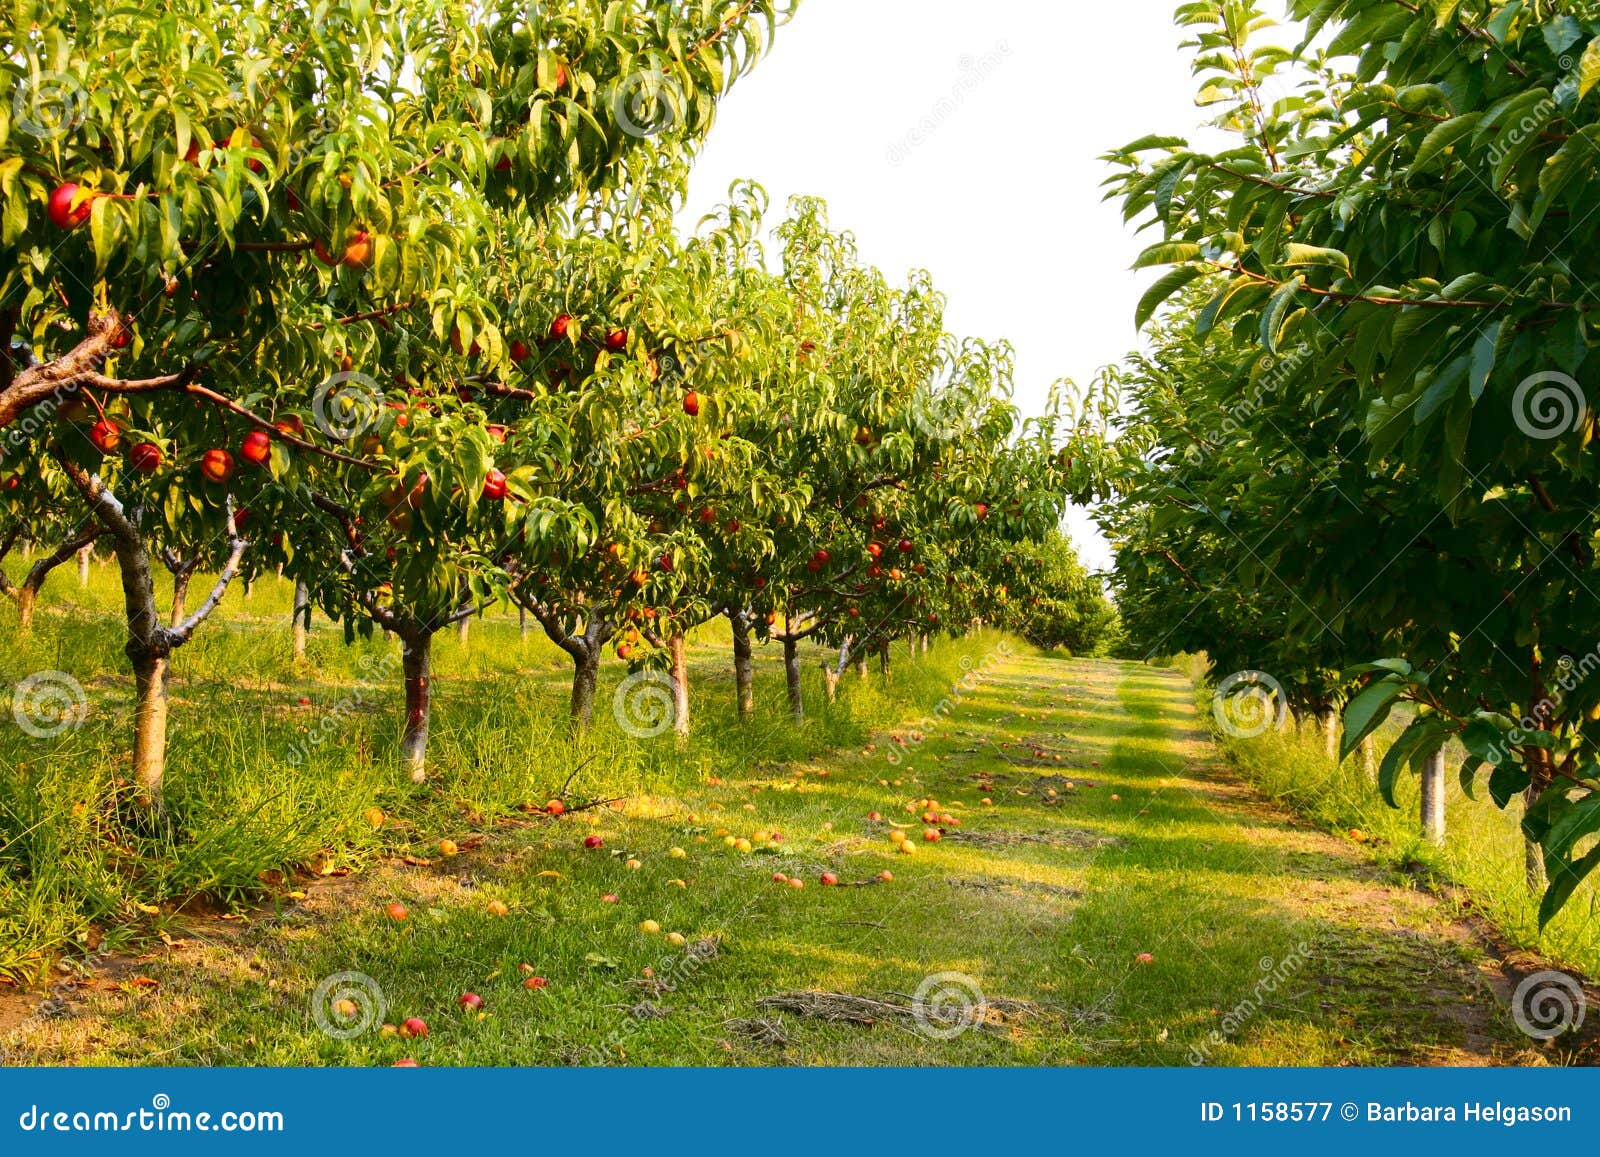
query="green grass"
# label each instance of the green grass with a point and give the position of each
(1270, 944)
(1483, 852)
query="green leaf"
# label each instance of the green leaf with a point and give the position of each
(1564, 880)
(1297, 254)
(1389, 770)
(1272, 318)
(1507, 781)
(1589, 68)
(1441, 137)
(1167, 253)
(1469, 776)
(1368, 711)
(1169, 284)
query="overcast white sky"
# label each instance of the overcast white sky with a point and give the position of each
(1001, 201)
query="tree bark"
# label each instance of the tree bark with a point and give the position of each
(861, 666)
(302, 618)
(743, 665)
(84, 555)
(791, 673)
(1329, 721)
(26, 597)
(463, 631)
(680, 685)
(1433, 793)
(585, 681)
(1369, 759)
(830, 683)
(522, 623)
(416, 652)
(180, 595)
(884, 664)
(150, 725)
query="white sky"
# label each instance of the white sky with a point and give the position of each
(1001, 202)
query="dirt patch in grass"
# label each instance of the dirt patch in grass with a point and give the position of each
(936, 1014)
(1060, 838)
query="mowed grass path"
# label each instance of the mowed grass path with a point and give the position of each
(1124, 900)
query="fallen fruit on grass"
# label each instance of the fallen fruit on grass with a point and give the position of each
(396, 911)
(346, 1008)
(987, 802)
(1144, 958)
(414, 1026)
(677, 939)
(829, 879)
(649, 927)
(797, 883)
(470, 1001)
(1358, 835)
(535, 982)
(933, 835)
(874, 817)
(592, 842)
(907, 847)
(498, 908)
(555, 807)
(406, 1063)
(609, 898)
(634, 865)
(389, 1030)
(448, 848)
(779, 878)
(678, 853)
(743, 846)
(886, 875)
(1116, 799)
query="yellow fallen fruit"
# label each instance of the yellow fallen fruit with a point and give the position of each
(676, 939)
(375, 817)
(731, 841)
(649, 927)
(448, 848)
(676, 884)
(634, 865)
(678, 854)
(908, 847)
(743, 846)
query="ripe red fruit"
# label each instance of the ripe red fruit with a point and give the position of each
(874, 816)
(829, 879)
(560, 326)
(593, 842)
(290, 425)
(609, 898)
(494, 486)
(555, 808)
(145, 458)
(665, 563)
(535, 982)
(256, 447)
(414, 1026)
(875, 550)
(406, 1063)
(520, 352)
(616, 340)
(358, 250)
(691, 404)
(105, 436)
(217, 465)
(933, 835)
(981, 510)
(470, 1001)
(905, 546)
(61, 210)
(396, 911)
(823, 557)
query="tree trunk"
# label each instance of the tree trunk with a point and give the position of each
(1433, 793)
(680, 685)
(585, 681)
(522, 622)
(883, 664)
(180, 596)
(744, 674)
(861, 666)
(150, 725)
(463, 631)
(1369, 759)
(249, 589)
(791, 674)
(1329, 721)
(830, 683)
(26, 597)
(302, 618)
(84, 555)
(416, 650)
